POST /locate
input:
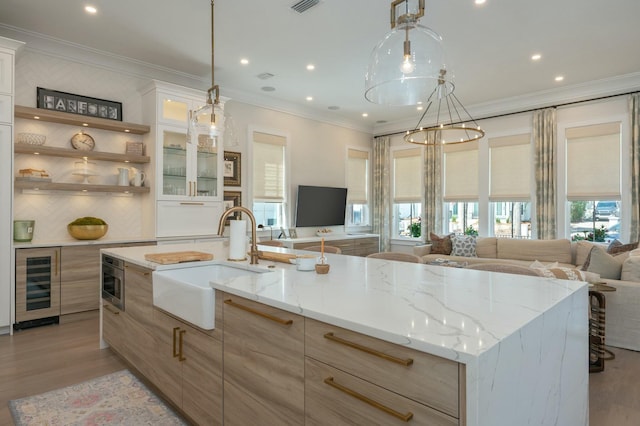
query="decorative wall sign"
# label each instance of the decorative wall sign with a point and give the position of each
(81, 105)
(231, 168)
(232, 199)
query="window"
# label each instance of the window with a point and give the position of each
(510, 185)
(512, 219)
(407, 193)
(462, 218)
(269, 194)
(595, 220)
(593, 181)
(461, 188)
(358, 187)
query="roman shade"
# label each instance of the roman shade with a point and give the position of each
(510, 172)
(461, 172)
(357, 176)
(593, 162)
(407, 176)
(268, 167)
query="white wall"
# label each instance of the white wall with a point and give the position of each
(317, 151)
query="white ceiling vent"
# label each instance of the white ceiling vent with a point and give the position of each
(304, 5)
(265, 76)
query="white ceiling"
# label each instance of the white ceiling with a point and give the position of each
(489, 47)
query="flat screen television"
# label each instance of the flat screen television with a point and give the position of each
(320, 206)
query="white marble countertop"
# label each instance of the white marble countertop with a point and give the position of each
(454, 313)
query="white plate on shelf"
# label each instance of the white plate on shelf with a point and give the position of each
(324, 234)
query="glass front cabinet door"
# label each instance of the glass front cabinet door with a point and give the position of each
(189, 170)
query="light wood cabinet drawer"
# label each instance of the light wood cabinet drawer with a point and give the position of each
(263, 364)
(425, 378)
(113, 327)
(333, 397)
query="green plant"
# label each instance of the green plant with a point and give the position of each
(88, 220)
(599, 234)
(470, 231)
(415, 229)
(454, 218)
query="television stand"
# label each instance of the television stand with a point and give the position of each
(350, 244)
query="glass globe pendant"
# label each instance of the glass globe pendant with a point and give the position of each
(404, 67)
(206, 123)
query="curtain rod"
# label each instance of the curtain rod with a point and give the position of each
(506, 114)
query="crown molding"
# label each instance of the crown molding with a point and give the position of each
(611, 86)
(57, 48)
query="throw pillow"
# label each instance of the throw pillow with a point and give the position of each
(440, 245)
(631, 269)
(539, 265)
(464, 245)
(606, 265)
(583, 248)
(617, 247)
(562, 273)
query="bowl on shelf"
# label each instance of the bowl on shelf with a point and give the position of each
(87, 232)
(31, 138)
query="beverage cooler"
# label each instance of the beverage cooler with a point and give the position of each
(37, 287)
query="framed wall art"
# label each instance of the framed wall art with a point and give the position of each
(231, 171)
(81, 105)
(232, 199)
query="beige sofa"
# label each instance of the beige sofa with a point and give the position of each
(622, 305)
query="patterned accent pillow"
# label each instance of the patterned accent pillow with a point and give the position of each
(617, 247)
(464, 245)
(562, 273)
(440, 245)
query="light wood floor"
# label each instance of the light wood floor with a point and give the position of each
(45, 358)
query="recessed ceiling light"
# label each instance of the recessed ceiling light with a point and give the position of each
(559, 78)
(480, 1)
(244, 61)
(309, 98)
(419, 107)
(536, 57)
(268, 88)
(90, 9)
(311, 67)
(364, 114)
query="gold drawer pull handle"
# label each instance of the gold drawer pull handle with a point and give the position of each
(406, 362)
(262, 314)
(112, 310)
(175, 340)
(403, 417)
(180, 354)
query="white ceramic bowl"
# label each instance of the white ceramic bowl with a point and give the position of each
(31, 138)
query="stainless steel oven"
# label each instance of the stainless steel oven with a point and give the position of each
(112, 280)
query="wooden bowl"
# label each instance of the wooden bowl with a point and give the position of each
(322, 268)
(87, 232)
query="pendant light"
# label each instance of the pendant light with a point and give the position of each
(205, 122)
(453, 123)
(404, 67)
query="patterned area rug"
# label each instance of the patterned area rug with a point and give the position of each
(116, 399)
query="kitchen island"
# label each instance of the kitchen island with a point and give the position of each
(519, 342)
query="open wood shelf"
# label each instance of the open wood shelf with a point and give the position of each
(79, 120)
(55, 186)
(73, 153)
